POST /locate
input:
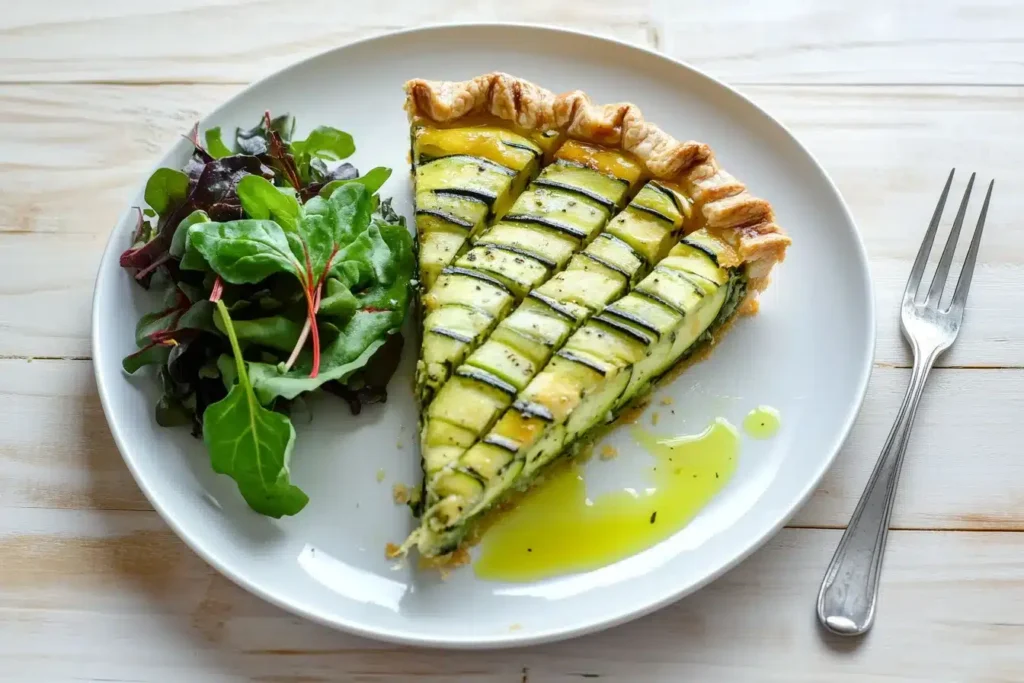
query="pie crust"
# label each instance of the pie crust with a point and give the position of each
(744, 223)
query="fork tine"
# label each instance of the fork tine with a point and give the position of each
(963, 283)
(926, 245)
(942, 270)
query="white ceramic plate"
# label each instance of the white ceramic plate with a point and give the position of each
(808, 354)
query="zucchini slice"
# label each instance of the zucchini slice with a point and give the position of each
(463, 178)
(525, 341)
(607, 362)
(533, 240)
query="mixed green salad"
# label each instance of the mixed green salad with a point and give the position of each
(282, 272)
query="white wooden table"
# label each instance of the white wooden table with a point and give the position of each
(889, 95)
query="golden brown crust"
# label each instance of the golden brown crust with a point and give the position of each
(532, 107)
(745, 224)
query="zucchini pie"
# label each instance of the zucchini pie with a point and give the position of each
(571, 255)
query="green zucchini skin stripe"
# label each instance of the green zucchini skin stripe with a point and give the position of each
(445, 216)
(479, 161)
(622, 356)
(524, 247)
(527, 339)
(453, 270)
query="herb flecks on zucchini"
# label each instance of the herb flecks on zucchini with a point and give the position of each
(530, 242)
(463, 178)
(604, 365)
(523, 343)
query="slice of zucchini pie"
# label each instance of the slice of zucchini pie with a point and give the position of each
(562, 306)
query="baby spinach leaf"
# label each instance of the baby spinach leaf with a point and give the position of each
(372, 181)
(153, 354)
(214, 145)
(337, 364)
(382, 306)
(261, 199)
(251, 444)
(165, 189)
(276, 332)
(245, 251)
(325, 142)
(339, 301)
(181, 232)
(172, 412)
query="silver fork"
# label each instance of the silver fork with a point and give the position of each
(849, 591)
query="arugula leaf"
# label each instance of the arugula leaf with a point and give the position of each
(214, 145)
(251, 444)
(261, 199)
(372, 181)
(165, 189)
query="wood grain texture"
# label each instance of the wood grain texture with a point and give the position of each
(888, 95)
(127, 41)
(75, 153)
(959, 473)
(865, 42)
(90, 595)
(798, 41)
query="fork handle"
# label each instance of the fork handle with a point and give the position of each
(846, 601)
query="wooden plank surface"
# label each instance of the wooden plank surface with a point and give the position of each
(77, 152)
(888, 95)
(798, 41)
(91, 595)
(123, 40)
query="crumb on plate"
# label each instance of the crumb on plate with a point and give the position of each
(654, 418)
(400, 494)
(666, 400)
(380, 475)
(608, 452)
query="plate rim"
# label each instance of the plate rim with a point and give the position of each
(515, 638)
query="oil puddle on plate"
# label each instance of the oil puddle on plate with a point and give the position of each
(529, 542)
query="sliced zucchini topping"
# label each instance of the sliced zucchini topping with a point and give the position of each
(488, 142)
(524, 342)
(535, 239)
(600, 368)
(464, 177)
